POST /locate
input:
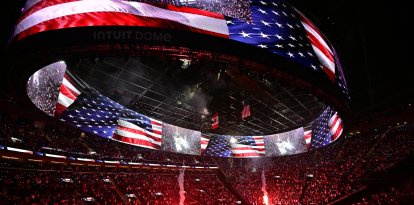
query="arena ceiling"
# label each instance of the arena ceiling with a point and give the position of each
(186, 93)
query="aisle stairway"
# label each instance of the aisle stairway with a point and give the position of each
(225, 181)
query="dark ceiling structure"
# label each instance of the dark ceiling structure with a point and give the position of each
(187, 92)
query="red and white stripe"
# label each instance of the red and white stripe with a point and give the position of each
(130, 133)
(241, 150)
(204, 142)
(67, 95)
(215, 119)
(60, 14)
(320, 47)
(156, 126)
(335, 127)
(246, 111)
(29, 4)
(307, 136)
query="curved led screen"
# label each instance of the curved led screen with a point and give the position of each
(62, 95)
(271, 25)
(263, 58)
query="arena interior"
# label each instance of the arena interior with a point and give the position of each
(210, 102)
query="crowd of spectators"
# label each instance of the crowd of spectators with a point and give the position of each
(49, 183)
(324, 175)
(58, 138)
(233, 8)
(32, 187)
(316, 177)
(392, 196)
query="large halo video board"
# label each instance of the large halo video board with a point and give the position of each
(278, 28)
(62, 95)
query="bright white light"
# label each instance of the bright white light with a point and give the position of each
(289, 146)
(205, 111)
(107, 180)
(130, 195)
(187, 1)
(67, 180)
(180, 143)
(186, 63)
(284, 147)
(88, 199)
(265, 199)
(233, 140)
(35, 78)
(16, 139)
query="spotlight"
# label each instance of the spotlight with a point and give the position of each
(88, 199)
(158, 193)
(185, 63)
(106, 180)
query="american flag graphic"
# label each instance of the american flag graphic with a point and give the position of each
(215, 121)
(335, 126)
(142, 131)
(307, 136)
(274, 26)
(68, 93)
(248, 146)
(326, 128)
(246, 109)
(97, 114)
(320, 46)
(219, 146)
(51, 15)
(204, 143)
(340, 77)
(94, 113)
